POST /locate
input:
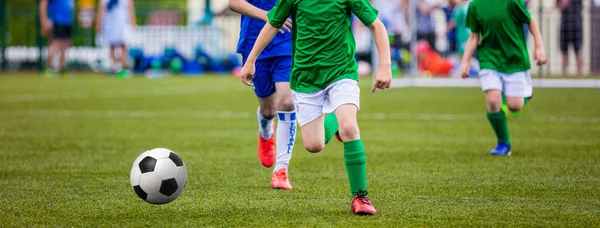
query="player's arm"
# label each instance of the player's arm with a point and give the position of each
(383, 75)
(132, 16)
(265, 37)
(100, 17)
(245, 8)
(44, 20)
(539, 54)
(367, 14)
(470, 48)
(277, 17)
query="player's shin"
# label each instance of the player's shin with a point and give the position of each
(356, 165)
(286, 137)
(331, 126)
(499, 125)
(265, 125)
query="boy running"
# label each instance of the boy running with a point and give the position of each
(497, 34)
(324, 77)
(271, 86)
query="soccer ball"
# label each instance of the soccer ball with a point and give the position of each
(158, 176)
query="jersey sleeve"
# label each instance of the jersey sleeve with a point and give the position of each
(519, 11)
(364, 11)
(472, 19)
(280, 12)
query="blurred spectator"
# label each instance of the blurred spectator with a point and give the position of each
(56, 19)
(393, 15)
(425, 23)
(571, 32)
(451, 30)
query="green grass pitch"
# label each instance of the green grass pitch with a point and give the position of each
(67, 145)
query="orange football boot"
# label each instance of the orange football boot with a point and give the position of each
(266, 150)
(280, 180)
(361, 204)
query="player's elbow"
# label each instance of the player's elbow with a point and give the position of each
(234, 5)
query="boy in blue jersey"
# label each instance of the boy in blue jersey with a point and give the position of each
(271, 86)
(56, 16)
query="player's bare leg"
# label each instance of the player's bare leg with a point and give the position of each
(313, 134)
(63, 46)
(565, 63)
(286, 135)
(498, 120)
(113, 60)
(354, 159)
(53, 47)
(579, 61)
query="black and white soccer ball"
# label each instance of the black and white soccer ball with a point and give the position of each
(158, 176)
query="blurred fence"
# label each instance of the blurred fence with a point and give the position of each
(165, 28)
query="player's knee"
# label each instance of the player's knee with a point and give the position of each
(515, 107)
(268, 112)
(494, 104)
(349, 131)
(286, 104)
(314, 147)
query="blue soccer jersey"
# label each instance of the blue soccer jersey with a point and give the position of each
(60, 12)
(250, 28)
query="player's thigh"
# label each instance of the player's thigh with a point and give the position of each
(490, 80)
(282, 67)
(264, 87)
(343, 98)
(518, 84)
(348, 125)
(309, 113)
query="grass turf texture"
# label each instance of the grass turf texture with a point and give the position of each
(67, 145)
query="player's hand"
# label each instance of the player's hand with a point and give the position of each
(539, 55)
(287, 26)
(247, 73)
(46, 26)
(383, 79)
(465, 67)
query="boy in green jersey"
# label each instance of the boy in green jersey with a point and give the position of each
(497, 34)
(324, 77)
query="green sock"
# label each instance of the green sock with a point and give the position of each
(500, 126)
(331, 127)
(525, 100)
(356, 165)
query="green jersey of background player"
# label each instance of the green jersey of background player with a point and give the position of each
(324, 77)
(497, 26)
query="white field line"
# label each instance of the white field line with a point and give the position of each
(79, 95)
(245, 115)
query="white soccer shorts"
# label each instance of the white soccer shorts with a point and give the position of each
(512, 85)
(310, 106)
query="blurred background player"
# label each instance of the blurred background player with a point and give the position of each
(56, 19)
(325, 79)
(571, 32)
(271, 86)
(114, 17)
(425, 21)
(498, 37)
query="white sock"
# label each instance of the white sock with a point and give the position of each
(285, 139)
(265, 126)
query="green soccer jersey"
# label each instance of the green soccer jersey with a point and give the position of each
(462, 31)
(500, 22)
(323, 44)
